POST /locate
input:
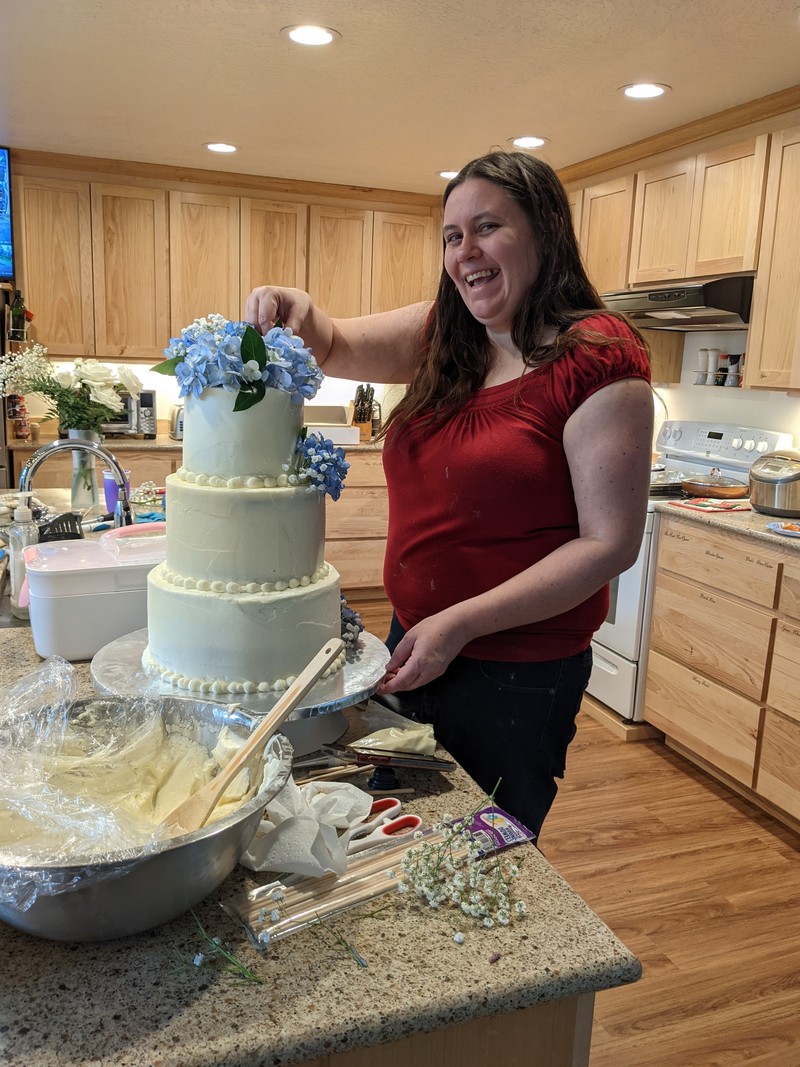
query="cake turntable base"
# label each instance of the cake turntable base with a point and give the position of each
(117, 670)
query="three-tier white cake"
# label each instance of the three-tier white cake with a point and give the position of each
(244, 599)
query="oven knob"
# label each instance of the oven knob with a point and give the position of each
(677, 433)
(749, 446)
(762, 447)
(737, 442)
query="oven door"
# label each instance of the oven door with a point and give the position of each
(622, 630)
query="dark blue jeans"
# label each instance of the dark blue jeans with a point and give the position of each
(509, 721)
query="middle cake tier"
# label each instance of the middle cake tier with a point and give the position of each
(234, 538)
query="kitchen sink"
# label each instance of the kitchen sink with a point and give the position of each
(331, 420)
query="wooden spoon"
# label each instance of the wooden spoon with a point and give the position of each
(193, 813)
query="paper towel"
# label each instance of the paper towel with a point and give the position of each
(299, 831)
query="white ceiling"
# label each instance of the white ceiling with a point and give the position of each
(413, 86)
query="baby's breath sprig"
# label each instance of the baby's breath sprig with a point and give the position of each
(319, 923)
(221, 955)
(338, 938)
(454, 869)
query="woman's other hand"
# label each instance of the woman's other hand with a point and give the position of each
(267, 304)
(424, 652)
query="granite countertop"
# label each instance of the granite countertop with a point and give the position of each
(139, 1001)
(753, 523)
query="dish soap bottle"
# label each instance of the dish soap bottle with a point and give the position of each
(22, 532)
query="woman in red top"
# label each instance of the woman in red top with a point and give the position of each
(518, 467)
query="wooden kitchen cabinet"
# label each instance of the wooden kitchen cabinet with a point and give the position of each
(203, 256)
(778, 777)
(724, 639)
(356, 524)
(732, 563)
(340, 259)
(112, 268)
(711, 635)
(94, 267)
(53, 238)
(715, 724)
(727, 202)
(273, 245)
(605, 233)
(362, 261)
(404, 261)
(575, 197)
(699, 216)
(778, 770)
(145, 465)
(666, 355)
(130, 266)
(773, 345)
(661, 216)
(784, 681)
(723, 674)
(789, 596)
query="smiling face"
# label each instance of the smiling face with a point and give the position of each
(491, 253)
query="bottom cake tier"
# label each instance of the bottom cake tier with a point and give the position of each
(210, 642)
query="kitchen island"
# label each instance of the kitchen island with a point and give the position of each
(519, 994)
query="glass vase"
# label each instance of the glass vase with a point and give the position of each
(85, 493)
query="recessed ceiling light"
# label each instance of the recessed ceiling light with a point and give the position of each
(644, 90)
(448, 174)
(528, 142)
(313, 35)
(220, 146)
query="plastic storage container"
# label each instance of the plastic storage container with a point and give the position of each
(85, 594)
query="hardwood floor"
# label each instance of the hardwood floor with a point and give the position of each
(702, 886)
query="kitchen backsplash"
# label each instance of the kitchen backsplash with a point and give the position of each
(334, 391)
(763, 408)
(756, 407)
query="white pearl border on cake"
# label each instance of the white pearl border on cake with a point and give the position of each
(239, 481)
(208, 585)
(221, 685)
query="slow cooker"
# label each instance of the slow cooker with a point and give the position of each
(775, 483)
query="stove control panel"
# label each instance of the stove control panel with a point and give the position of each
(737, 446)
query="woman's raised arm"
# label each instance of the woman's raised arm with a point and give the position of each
(383, 347)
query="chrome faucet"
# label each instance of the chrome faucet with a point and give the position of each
(122, 512)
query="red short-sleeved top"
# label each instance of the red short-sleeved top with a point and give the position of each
(487, 494)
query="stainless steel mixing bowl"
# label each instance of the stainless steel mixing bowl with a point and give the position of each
(135, 896)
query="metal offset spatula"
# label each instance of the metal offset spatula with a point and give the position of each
(193, 813)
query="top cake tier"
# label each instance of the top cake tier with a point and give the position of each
(255, 443)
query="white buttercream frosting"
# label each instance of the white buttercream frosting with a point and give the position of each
(244, 599)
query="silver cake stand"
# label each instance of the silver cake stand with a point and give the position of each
(116, 670)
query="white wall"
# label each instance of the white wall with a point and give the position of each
(764, 409)
(333, 390)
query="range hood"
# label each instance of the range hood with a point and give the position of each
(713, 304)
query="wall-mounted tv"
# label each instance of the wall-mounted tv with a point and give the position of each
(6, 239)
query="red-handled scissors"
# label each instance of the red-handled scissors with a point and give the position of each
(382, 825)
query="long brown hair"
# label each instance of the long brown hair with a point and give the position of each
(456, 353)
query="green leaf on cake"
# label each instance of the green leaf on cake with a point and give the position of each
(253, 348)
(246, 398)
(168, 366)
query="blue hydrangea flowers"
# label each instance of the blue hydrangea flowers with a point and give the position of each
(320, 464)
(352, 626)
(215, 352)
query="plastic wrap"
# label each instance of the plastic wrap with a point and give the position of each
(84, 785)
